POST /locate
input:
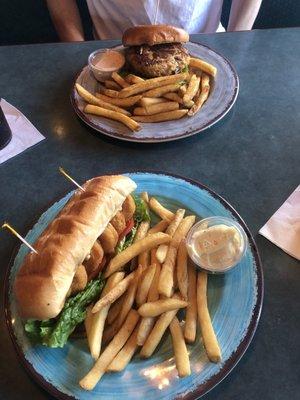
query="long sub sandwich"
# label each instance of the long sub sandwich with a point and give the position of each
(54, 287)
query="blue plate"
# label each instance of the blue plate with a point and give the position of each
(235, 301)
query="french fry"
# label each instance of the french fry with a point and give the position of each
(202, 97)
(191, 90)
(159, 227)
(162, 250)
(149, 101)
(182, 230)
(189, 104)
(161, 117)
(166, 278)
(153, 294)
(151, 84)
(91, 99)
(204, 66)
(130, 296)
(120, 81)
(124, 356)
(153, 258)
(182, 275)
(160, 210)
(109, 92)
(97, 320)
(156, 108)
(99, 368)
(209, 337)
(125, 307)
(145, 328)
(182, 90)
(190, 327)
(157, 333)
(147, 324)
(143, 259)
(173, 97)
(114, 293)
(114, 309)
(131, 79)
(128, 102)
(161, 253)
(145, 284)
(117, 116)
(160, 91)
(180, 350)
(142, 231)
(158, 307)
(135, 249)
(140, 234)
(145, 197)
(112, 85)
(110, 332)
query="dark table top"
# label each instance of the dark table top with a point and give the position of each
(252, 158)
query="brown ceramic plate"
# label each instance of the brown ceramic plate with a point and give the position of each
(222, 97)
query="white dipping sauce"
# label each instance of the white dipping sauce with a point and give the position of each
(216, 247)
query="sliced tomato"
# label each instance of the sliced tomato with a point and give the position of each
(128, 228)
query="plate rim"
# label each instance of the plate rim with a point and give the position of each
(228, 365)
(133, 139)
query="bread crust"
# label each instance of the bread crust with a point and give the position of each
(44, 279)
(154, 34)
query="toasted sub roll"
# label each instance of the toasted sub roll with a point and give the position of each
(44, 279)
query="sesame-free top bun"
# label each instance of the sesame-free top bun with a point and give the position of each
(44, 279)
(154, 34)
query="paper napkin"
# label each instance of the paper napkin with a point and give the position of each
(283, 228)
(24, 134)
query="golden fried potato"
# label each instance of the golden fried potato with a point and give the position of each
(128, 208)
(118, 222)
(80, 280)
(93, 262)
(109, 239)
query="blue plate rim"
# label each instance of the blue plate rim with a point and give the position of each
(184, 135)
(229, 364)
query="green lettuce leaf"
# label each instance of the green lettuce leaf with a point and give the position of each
(141, 211)
(55, 332)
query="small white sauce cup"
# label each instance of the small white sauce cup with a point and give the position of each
(100, 74)
(207, 223)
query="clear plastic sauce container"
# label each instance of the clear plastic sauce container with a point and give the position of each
(104, 62)
(216, 244)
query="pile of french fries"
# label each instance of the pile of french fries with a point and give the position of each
(132, 99)
(137, 308)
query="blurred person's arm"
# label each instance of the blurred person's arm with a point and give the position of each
(66, 19)
(243, 14)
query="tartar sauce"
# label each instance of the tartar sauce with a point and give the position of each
(216, 247)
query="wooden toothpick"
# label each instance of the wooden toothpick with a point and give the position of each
(62, 171)
(14, 232)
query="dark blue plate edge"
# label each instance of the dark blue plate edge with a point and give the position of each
(228, 365)
(184, 135)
